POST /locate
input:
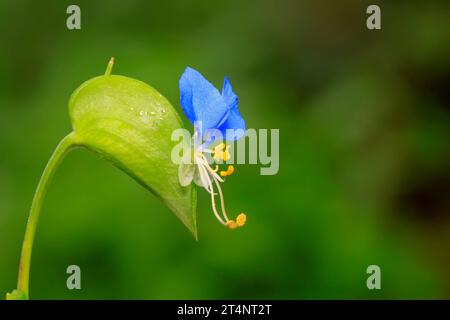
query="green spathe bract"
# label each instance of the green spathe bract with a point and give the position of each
(129, 124)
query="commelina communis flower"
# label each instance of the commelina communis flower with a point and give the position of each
(208, 110)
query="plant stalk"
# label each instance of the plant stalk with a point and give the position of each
(66, 144)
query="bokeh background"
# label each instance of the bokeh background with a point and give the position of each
(364, 150)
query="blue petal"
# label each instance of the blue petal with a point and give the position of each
(229, 96)
(234, 121)
(201, 101)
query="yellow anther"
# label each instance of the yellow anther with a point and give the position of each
(218, 149)
(221, 152)
(229, 171)
(240, 222)
(226, 155)
(231, 224)
(241, 219)
(216, 168)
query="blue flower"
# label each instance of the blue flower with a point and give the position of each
(203, 104)
(208, 109)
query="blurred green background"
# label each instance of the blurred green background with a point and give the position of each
(364, 150)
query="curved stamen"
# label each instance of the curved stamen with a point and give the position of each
(222, 200)
(206, 174)
(206, 164)
(213, 202)
(204, 180)
(199, 162)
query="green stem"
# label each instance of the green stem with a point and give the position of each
(109, 67)
(25, 259)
